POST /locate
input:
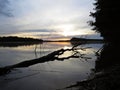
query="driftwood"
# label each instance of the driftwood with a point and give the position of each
(50, 57)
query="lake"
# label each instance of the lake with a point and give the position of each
(48, 75)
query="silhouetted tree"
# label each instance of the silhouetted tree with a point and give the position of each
(19, 39)
(107, 65)
(107, 18)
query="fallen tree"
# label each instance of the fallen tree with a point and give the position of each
(50, 57)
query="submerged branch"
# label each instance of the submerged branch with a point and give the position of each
(50, 57)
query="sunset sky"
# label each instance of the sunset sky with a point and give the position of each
(46, 19)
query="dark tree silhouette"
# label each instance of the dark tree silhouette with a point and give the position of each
(50, 57)
(107, 18)
(107, 66)
(18, 39)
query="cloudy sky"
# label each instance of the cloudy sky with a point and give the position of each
(47, 19)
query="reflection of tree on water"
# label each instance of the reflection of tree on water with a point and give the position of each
(106, 75)
(38, 47)
(50, 57)
(107, 69)
(18, 44)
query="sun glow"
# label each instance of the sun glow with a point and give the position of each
(68, 30)
(72, 30)
(68, 33)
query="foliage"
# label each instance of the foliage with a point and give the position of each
(107, 18)
(17, 39)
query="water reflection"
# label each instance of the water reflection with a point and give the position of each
(46, 75)
(106, 74)
(18, 44)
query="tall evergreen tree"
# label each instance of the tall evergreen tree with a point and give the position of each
(107, 19)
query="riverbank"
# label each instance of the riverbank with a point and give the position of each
(106, 74)
(106, 80)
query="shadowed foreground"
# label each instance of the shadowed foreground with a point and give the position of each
(107, 70)
(106, 73)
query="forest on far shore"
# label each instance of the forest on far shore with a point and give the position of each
(18, 39)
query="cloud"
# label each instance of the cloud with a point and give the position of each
(37, 17)
(38, 30)
(4, 9)
(42, 13)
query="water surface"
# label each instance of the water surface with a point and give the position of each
(50, 75)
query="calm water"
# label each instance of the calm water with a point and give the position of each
(50, 75)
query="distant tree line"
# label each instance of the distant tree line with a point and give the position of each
(18, 39)
(107, 19)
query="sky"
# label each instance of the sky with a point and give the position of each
(46, 19)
